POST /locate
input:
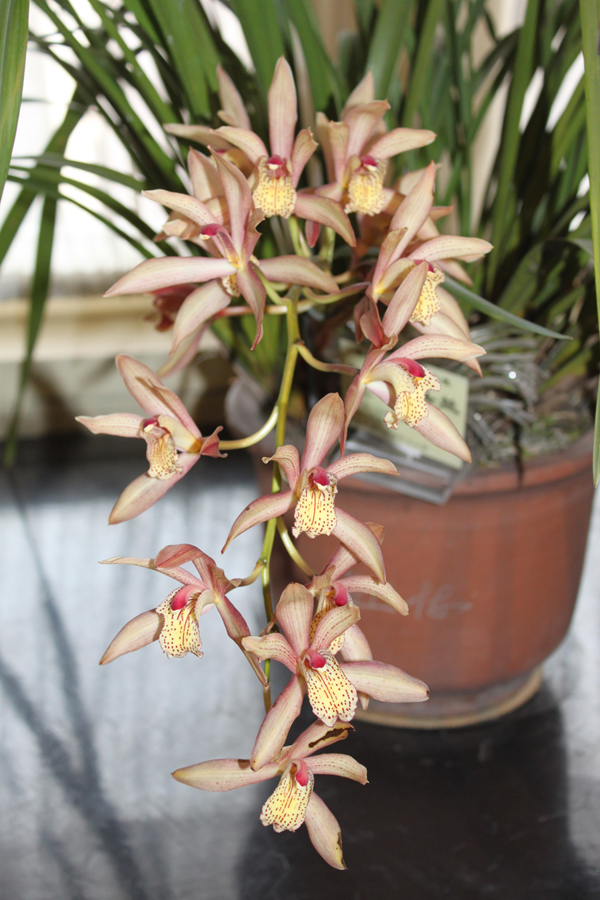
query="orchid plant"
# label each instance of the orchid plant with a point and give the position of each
(392, 279)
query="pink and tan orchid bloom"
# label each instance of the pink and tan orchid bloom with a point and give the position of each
(275, 171)
(230, 272)
(313, 488)
(356, 153)
(402, 383)
(174, 443)
(174, 623)
(294, 800)
(332, 687)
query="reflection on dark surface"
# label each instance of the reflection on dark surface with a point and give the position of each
(89, 811)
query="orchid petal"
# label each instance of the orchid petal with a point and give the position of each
(144, 491)
(272, 646)
(338, 133)
(137, 633)
(360, 462)
(416, 207)
(234, 111)
(362, 121)
(238, 197)
(451, 246)
(439, 346)
(197, 308)
(283, 109)
(203, 175)
(355, 647)
(260, 510)
(296, 270)
(304, 147)
(393, 276)
(323, 429)
(387, 254)
(187, 206)
(342, 559)
(201, 133)
(438, 429)
(246, 140)
(333, 624)
(404, 301)
(352, 402)
(176, 555)
(223, 774)
(181, 575)
(364, 92)
(338, 764)
(361, 541)
(277, 723)
(149, 391)
(384, 682)
(178, 359)
(121, 424)
(317, 736)
(294, 613)
(399, 140)
(287, 458)
(324, 832)
(255, 295)
(325, 212)
(166, 271)
(237, 629)
(362, 584)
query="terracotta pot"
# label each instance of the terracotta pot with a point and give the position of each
(491, 580)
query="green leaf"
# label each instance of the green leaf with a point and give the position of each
(13, 44)
(387, 42)
(188, 40)
(590, 17)
(422, 63)
(258, 19)
(37, 301)
(511, 136)
(495, 312)
(58, 161)
(324, 81)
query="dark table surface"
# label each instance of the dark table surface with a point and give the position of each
(505, 810)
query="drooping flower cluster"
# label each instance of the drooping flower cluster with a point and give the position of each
(313, 630)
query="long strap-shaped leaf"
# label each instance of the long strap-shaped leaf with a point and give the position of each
(590, 20)
(13, 44)
(496, 312)
(387, 42)
(258, 19)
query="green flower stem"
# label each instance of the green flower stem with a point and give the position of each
(301, 248)
(253, 438)
(291, 548)
(293, 335)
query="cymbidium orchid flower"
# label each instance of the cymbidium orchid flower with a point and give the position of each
(174, 623)
(313, 488)
(174, 443)
(294, 800)
(357, 150)
(232, 272)
(405, 247)
(402, 383)
(275, 172)
(332, 686)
